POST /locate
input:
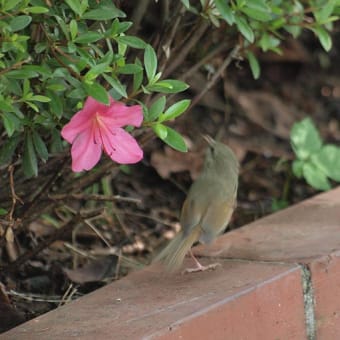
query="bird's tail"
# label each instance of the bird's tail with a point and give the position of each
(173, 254)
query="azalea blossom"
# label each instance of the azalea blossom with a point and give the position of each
(98, 127)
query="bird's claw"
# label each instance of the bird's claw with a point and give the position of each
(201, 268)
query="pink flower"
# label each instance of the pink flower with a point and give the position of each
(98, 127)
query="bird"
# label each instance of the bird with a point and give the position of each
(207, 208)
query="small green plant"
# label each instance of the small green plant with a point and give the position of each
(316, 162)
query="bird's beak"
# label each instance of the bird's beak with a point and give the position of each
(209, 140)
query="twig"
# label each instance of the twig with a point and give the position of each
(186, 49)
(35, 297)
(216, 76)
(15, 197)
(203, 61)
(67, 227)
(94, 197)
(138, 14)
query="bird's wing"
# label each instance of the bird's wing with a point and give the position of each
(216, 218)
(190, 216)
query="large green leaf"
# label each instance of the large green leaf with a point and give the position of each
(315, 177)
(305, 139)
(328, 160)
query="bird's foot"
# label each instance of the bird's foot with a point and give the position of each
(201, 268)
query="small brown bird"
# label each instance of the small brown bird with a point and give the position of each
(208, 207)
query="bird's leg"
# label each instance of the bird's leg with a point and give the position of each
(199, 267)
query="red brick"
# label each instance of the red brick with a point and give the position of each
(242, 299)
(325, 273)
(271, 310)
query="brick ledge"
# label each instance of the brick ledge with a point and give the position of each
(286, 287)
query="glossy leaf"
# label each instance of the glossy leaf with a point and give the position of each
(160, 130)
(244, 28)
(175, 140)
(156, 109)
(150, 62)
(225, 11)
(8, 148)
(324, 38)
(98, 92)
(39, 146)
(20, 22)
(168, 86)
(131, 41)
(254, 64)
(30, 163)
(106, 12)
(175, 110)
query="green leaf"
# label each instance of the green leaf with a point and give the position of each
(22, 73)
(244, 28)
(37, 10)
(156, 109)
(88, 37)
(160, 130)
(322, 14)
(8, 148)
(130, 69)
(175, 140)
(269, 42)
(324, 38)
(131, 41)
(279, 204)
(98, 92)
(20, 22)
(175, 110)
(56, 143)
(305, 139)
(150, 62)
(95, 71)
(40, 146)
(41, 99)
(328, 160)
(3, 211)
(168, 86)
(9, 4)
(73, 29)
(106, 12)
(297, 167)
(186, 3)
(29, 163)
(137, 77)
(254, 64)
(225, 11)
(315, 177)
(11, 122)
(76, 7)
(6, 105)
(56, 103)
(116, 85)
(257, 13)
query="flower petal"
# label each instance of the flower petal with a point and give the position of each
(85, 153)
(121, 146)
(78, 123)
(83, 119)
(91, 106)
(118, 115)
